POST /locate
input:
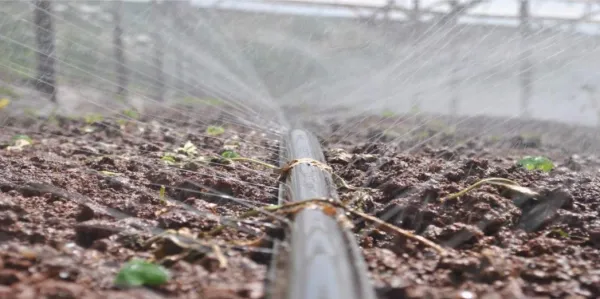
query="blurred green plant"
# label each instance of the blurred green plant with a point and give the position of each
(93, 118)
(206, 101)
(109, 173)
(215, 130)
(388, 113)
(536, 163)
(3, 103)
(162, 194)
(22, 137)
(414, 109)
(131, 113)
(8, 92)
(169, 159)
(230, 155)
(30, 112)
(561, 233)
(137, 273)
(19, 142)
(188, 148)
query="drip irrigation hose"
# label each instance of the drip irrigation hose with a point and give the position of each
(325, 261)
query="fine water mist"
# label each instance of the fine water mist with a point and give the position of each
(457, 139)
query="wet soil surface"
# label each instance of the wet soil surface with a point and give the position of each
(502, 245)
(84, 198)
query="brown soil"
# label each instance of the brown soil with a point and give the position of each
(502, 246)
(76, 205)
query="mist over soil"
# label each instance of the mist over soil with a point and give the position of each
(61, 238)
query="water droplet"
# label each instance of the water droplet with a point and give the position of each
(467, 295)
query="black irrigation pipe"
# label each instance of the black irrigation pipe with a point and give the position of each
(324, 261)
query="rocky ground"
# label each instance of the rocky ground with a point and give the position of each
(85, 197)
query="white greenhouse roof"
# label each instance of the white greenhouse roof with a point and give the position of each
(552, 9)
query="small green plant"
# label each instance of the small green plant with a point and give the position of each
(109, 173)
(120, 98)
(423, 135)
(214, 130)
(561, 233)
(414, 109)
(131, 113)
(212, 102)
(536, 163)
(19, 142)
(188, 148)
(230, 155)
(22, 137)
(189, 100)
(93, 118)
(30, 112)
(169, 159)
(8, 92)
(494, 138)
(388, 113)
(3, 103)
(162, 194)
(137, 273)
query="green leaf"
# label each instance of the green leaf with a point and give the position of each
(230, 155)
(4, 102)
(93, 118)
(561, 233)
(138, 272)
(188, 148)
(109, 173)
(214, 130)
(131, 114)
(161, 194)
(169, 159)
(22, 137)
(388, 114)
(536, 163)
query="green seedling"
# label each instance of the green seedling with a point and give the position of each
(30, 112)
(93, 118)
(22, 137)
(212, 102)
(121, 98)
(188, 148)
(494, 138)
(414, 109)
(423, 135)
(19, 142)
(208, 101)
(109, 173)
(169, 159)
(561, 233)
(162, 194)
(536, 163)
(230, 155)
(137, 273)
(214, 131)
(388, 114)
(8, 92)
(3, 103)
(131, 114)
(189, 100)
